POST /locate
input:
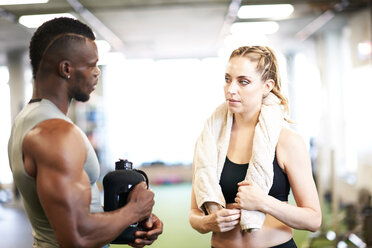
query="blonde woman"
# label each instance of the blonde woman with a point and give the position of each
(233, 182)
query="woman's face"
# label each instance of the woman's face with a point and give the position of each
(244, 88)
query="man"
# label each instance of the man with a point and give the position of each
(54, 166)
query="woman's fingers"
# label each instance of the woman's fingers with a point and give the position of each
(227, 215)
(230, 220)
(228, 212)
(245, 182)
(225, 219)
(227, 226)
(232, 217)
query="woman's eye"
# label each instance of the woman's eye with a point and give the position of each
(227, 80)
(244, 82)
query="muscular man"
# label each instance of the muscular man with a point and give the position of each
(54, 166)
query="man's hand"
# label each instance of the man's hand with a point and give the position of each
(142, 201)
(154, 227)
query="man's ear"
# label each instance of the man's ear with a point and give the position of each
(64, 69)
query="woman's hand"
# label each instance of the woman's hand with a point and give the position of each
(250, 196)
(222, 220)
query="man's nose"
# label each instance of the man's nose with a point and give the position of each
(97, 71)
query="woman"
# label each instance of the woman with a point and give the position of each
(252, 78)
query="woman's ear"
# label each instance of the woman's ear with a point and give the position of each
(64, 69)
(268, 86)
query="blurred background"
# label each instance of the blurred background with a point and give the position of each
(162, 64)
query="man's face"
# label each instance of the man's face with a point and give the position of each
(85, 72)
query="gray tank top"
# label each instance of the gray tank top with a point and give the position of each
(27, 119)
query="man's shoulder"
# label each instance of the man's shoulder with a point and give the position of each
(52, 133)
(55, 141)
(54, 128)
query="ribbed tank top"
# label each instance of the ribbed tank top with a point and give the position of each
(28, 118)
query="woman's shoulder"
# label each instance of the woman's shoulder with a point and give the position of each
(289, 138)
(290, 145)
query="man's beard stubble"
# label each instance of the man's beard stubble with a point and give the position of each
(81, 97)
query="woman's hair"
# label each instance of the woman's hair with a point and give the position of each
(267, 65)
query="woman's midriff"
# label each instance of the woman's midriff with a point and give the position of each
(272, 233)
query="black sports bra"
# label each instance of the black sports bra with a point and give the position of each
(233, 173)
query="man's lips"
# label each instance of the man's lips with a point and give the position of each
(95, 85)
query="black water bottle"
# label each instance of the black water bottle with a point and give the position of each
(117, 186)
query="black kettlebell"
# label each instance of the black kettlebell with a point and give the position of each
(117, 186)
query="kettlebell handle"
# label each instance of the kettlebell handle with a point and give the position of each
(144, 175)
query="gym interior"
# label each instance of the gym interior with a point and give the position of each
(162, 72)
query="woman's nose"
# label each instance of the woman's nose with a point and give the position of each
(232, 88)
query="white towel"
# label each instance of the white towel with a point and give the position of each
(211, 149)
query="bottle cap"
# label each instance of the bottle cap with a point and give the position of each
(123, 165)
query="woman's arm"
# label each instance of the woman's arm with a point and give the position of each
(293, 157)
(221, 220)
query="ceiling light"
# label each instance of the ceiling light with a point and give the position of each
(265, 11)
(34, 21)
(14, 2)
(254, 28)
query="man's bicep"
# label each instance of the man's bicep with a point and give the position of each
(52, 185)
(65, 200)
(61, 182)
(57, 188)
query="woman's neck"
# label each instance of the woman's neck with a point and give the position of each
(247, 119)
